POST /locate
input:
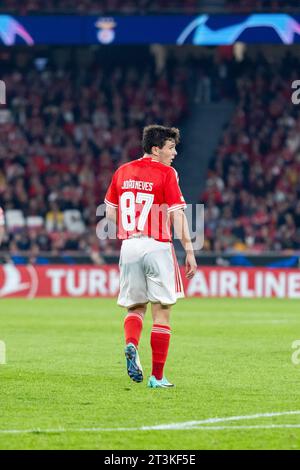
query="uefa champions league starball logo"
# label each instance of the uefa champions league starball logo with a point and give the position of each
(285, 26)
(106, 33)
(11, 30)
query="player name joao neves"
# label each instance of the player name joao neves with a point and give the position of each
(135, 184)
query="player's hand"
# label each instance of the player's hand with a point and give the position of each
(190, 265)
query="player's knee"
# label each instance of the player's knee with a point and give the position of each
(161, 320)
(161, 314)
(140, 309)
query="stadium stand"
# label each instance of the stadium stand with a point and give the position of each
(248, 6)
(62, 137)
(143, 7)
(65, 133)
(120, 7)
(252, 189)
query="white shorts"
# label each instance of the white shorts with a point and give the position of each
(149, 272)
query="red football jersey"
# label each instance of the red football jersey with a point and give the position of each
(145, 191)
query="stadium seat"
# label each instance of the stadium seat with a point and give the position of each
(14, 219)
(73, 221)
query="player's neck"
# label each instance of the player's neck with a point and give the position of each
(150, 155)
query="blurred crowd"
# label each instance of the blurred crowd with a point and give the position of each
(63, 135)
(123, 7)
(252, 195)
(66, 130)
(248, 6)
(143, 7)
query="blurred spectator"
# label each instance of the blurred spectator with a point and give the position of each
(54, 218)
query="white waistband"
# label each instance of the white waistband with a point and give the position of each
(138, 235)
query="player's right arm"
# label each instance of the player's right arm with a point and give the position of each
(112, 200)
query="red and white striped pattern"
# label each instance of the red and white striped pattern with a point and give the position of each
(161, 329)
(1, 216)
(135, 315)
(110, 203)
(178, 281)
(176, 207)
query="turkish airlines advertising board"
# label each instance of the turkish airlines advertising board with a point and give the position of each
(93, 281)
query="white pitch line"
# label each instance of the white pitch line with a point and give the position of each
(242, 427)
(188, 425)
(261, 322)
(220, 420)
(185, 428)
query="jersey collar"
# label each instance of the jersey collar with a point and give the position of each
(148, 158)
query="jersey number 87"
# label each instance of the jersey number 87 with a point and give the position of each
(128, 209)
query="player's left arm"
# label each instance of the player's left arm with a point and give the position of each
(176, 203)
(181, 228)
(111, 213)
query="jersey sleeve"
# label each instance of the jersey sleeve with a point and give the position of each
(1, 217)
(173, 194)
(111, 197)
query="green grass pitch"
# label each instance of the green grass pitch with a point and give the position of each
(65, 377)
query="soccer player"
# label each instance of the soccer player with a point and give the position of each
(2, 231)
(144, 199)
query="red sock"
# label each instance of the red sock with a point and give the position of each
(160, 340)
(133, 325)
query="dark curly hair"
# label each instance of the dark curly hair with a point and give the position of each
(156, 136)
